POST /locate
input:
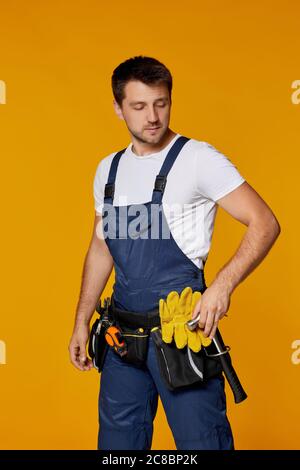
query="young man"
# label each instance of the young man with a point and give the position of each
(188, 179)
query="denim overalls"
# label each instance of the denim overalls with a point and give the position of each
(148, 265)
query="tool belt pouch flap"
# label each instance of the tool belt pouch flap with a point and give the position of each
(182, 367)
(136, 340)
(97, 346)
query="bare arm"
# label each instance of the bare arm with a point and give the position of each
(97, 267)
(246, 206)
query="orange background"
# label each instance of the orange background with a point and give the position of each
(233, 64)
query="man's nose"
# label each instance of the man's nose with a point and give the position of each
(152, 115)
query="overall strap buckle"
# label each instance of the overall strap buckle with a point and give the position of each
(160, 183)
(109, 190)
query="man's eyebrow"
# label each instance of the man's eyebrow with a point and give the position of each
(132, 103)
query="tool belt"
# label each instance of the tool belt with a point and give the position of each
(129, 332)
(178, 367)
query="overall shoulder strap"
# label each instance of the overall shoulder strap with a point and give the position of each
(161, 179)
(109, 189)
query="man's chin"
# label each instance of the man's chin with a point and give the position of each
(154, 137)
(147, 138)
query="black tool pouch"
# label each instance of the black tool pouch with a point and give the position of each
(136, 340)
(183, 367)
(135, 329)
(97, 346)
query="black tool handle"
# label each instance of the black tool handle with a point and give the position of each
(230, 374)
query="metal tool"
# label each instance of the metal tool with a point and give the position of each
(223, 356)
(192, 324)
(113, 334)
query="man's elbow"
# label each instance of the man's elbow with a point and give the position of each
(271, 225)
(267, 223)
(276, 226)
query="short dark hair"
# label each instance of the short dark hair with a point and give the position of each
(146, 69)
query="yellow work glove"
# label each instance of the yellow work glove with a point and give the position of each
(174, 313)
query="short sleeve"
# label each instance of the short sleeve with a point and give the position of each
(98, 187)
(217, 176)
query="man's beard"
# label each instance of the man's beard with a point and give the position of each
(158, 138)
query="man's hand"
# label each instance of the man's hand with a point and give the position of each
(212, 306)
(77, 348)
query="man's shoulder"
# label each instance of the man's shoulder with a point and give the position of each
(107, 159)
(198, 144)
(105, 162)
(200, 148)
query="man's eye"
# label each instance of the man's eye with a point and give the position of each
(159, 105)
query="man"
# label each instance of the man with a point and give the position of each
(187, 179)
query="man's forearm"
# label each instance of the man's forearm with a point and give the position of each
(96, 271)
(256, 243)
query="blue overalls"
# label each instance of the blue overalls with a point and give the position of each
(147, 269)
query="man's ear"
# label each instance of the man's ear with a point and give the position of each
(118, 110)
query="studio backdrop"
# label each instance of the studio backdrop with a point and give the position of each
(237, 86)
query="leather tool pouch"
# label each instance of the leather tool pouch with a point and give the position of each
(183, 367)
(97, 346)
(136, 340)
(135, 329)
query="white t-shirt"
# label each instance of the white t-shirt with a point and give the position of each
(199, 177)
